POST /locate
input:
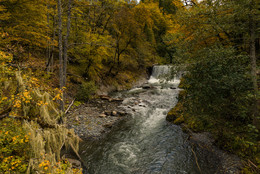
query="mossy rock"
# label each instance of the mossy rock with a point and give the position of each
(175, 113)
(171, 116)
(179, 120)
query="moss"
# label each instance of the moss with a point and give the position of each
(174, 113)
(35, 143)
(179, 120)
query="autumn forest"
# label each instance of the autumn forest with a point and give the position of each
(58, 54)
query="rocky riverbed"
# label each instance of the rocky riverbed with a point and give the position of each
(94, 119)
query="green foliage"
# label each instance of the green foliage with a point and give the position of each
(167, 6)
(175, 115)
(217, 98)
(24, 26)
(86, 91)
(218, 85)
(77, 103)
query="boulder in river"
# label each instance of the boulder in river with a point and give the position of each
(146, 86)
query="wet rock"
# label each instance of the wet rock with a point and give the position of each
(173, 87)
(146, 86)
(222, 162)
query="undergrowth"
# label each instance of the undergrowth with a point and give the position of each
(31, 138)
(233, 136)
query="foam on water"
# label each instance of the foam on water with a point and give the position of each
(145, 143)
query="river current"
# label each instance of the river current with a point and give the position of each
(145, 143)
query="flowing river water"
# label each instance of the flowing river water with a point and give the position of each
(145, 143)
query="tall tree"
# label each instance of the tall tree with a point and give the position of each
(59, 6)
(25, 26)
(66, 42)
(252, 32)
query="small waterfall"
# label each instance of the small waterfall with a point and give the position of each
(161, 70)
(165, 74)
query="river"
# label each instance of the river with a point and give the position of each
(145, 143)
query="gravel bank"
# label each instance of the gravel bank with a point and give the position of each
(94, 119)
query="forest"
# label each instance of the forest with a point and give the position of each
(53, 52)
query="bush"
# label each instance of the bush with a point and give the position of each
(86, 91)
(14, 146)
(217, 97)
(219, 85)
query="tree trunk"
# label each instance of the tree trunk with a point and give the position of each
(52, 42)
(60, 51)
(252, 31)
(48, 42)
(66, 43)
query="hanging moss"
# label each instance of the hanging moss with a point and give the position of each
(47, 137)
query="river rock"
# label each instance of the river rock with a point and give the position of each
(105, 97)
(113, 113)
(75, 163)
(102, 115)
(117, 99)
(146, 86)
(121, 113)
(108, 125)
(223, 162)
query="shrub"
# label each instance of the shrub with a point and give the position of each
(14, 144)
(86, 91)
(219, 85)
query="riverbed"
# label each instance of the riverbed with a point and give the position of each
(145, 142)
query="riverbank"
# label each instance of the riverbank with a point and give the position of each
(222, 146)
(205, 151)
(94, 119)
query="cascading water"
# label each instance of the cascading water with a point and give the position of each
(144, 143)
